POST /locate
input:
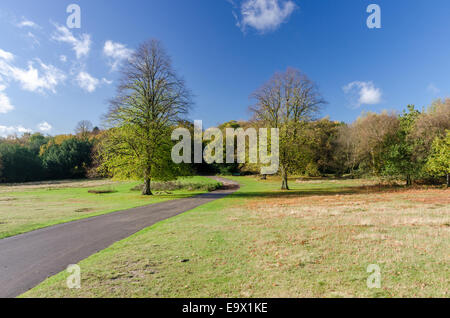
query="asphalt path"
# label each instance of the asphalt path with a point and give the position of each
(28, 259)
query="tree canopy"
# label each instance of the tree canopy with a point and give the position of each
(151, 99)
(287, 101)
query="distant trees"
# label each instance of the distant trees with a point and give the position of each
(430, 125)
(84, 128)
(288, 101)
(411, 146)
(35, 142)
(151, 99)
(19, 157)
(361, 145)
(370, 132)
(438, 163)
(346, 154)
(395, 146)
(34, 157)
(19, 164)
(399, 158)
(407, 153)
(70, 159)
(323, 145)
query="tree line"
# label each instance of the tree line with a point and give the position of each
(152, 100)
(35, 157)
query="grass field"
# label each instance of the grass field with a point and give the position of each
(314, 241)
(26, 207)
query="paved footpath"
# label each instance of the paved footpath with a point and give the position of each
(28, 259)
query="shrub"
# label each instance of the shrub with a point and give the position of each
(176, 185)
(312, 170)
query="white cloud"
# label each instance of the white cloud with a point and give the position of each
(106, 81)
(6, 131)
(87, 82)
(44, 126)
(81, 45)
(33, 39)
(433, 89)
(5, 103)
(366, 93)
(27, 23)
(264, 15)
(32, 79)
(117, 52)
(6, 56)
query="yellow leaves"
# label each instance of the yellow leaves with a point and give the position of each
(57, 140)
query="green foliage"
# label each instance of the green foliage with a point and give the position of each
(19, 164)
(399, 159)
(323, 145)
(70, 159)
(361, 145)
(412, 146)
(150, 102)
(312, 170)
(438, 163)
(123, 155)
(36, 141)
(288, 101)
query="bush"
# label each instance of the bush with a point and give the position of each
(312, 170)
(176, 185)
(103, 190)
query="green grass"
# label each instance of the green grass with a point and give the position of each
(314, 241)
(28, 207)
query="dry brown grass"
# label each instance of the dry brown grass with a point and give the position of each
(60, 184)
(311, 242)
(360, 196)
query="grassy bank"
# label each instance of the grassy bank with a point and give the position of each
(314, 241)
(26, 207)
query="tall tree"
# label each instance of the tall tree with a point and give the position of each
(431, 124)
(399, 157)
(286, 102)
(151, 99)
(83, 128)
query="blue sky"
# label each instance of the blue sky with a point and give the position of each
(51, 77)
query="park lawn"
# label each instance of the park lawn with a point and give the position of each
(314, 241)
(30, 206)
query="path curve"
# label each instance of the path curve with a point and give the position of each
(28, 259)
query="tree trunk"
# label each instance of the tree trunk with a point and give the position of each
(374, 171)
(284, 180)
(147, 188)
(448, 180)
(408, 180)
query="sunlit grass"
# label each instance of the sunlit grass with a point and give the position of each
(314, 241)
(28, 207)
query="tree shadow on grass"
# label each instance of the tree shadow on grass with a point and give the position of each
(352, 190)
(294, 193)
